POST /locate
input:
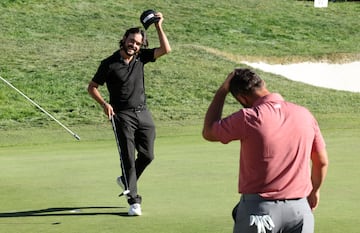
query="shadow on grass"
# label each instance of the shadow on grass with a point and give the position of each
(67, 211)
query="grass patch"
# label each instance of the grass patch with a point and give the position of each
(60, 185)
(51, 49)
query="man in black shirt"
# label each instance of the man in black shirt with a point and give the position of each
(123, 73)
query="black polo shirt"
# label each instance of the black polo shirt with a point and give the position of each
(125, 82)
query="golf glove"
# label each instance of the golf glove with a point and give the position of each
(263, 223)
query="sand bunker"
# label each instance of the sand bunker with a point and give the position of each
(335, 76)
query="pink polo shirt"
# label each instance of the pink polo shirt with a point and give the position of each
(277, 138)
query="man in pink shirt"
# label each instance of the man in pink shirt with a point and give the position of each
(279, 141)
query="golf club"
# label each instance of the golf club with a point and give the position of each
(126, 191)
(39, 107)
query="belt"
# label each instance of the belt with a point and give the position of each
(139, 108)
(257, 197)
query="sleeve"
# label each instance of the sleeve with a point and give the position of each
(101, 73)
(230, 128)
(147, 55)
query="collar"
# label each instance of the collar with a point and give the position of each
(120, 58)
(272, 97)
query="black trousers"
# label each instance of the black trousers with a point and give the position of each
(136, 133)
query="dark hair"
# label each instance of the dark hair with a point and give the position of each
(135, 30)
(245, 82)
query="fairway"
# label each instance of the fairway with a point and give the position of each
(69, 186)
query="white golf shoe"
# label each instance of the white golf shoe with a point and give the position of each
(135, 210)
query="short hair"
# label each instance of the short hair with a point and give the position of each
(245, 82)
(135, 30)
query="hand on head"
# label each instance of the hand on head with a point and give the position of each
(226, 83)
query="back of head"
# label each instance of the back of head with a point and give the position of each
(245, 82)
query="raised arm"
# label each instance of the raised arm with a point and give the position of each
(215, 109)
(164, 43)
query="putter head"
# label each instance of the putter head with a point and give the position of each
(126, 192)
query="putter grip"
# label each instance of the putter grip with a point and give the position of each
(124, 193)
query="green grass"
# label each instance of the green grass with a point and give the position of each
(51, 49)
(180, 191)
(189, 187)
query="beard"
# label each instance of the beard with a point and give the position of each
(130, 51)
(245, 105)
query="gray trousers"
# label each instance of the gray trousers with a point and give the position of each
(288, 216)
(136, 133)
